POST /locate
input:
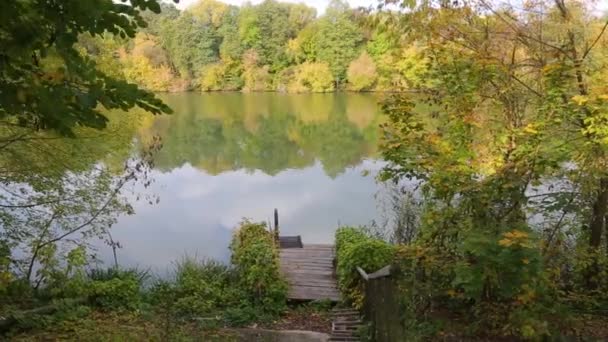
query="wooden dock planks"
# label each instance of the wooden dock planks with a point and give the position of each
(310, 272)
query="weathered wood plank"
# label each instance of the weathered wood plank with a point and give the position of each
(304, 265)
(303, 272)
(312, 282)
(304, 251)
(318, 245)
(309, 272)
(308, 260)
(304, 292)
(300, 276)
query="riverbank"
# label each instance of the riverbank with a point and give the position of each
(303, 324)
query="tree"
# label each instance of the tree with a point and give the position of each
(148, 65)
(513, 114)
(209, 12)
(30, 91)
(300, 16)
(266, 29)
(337, 39)
(50, 89)
(361, 73)
(190, 43)
(230, 47)
(303, 48)
(255, 78)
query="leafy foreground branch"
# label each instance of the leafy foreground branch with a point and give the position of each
(202, 293)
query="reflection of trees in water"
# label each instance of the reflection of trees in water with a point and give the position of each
(267, 132)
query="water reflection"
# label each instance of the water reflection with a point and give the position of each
(268, 132)
(229, 155)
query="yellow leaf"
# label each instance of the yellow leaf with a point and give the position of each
(580, 99)
(505, 242)
(526, 261)
(530, 129)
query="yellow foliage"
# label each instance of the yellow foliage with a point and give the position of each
(147, 65)
(361, 73)
(313, 77)
(515, 238)
(212, 76)
(209, 11)
(580, 99)
(139, 70)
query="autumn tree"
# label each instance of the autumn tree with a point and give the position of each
(361, 73)
(511, 158)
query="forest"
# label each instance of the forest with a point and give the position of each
(494, 135)
(273, 46)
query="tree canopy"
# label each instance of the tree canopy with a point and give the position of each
(211, 37)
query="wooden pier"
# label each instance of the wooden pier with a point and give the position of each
(309, 270)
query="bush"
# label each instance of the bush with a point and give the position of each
(225, 75)
(115, 288)
(255, 257)
(497, 284)
(256, 79)
(203, 287)
(355, 248)
(311, 77)
(361, 73)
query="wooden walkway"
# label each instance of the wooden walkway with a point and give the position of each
(310, 272)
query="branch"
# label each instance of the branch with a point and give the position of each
(39, 245)
(597, 39)
(520, 33)
(96, 215)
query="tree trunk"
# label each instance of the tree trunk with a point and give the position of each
(598, 222)
(596, 229)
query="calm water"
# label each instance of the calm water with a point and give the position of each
(230, 155)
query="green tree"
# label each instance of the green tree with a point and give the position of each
(50, 89)
(231, 47)
(337, 39)
(190, 42)
(30, 88)
(303, 48)
(265, 28)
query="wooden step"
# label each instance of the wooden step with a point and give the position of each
(340, 334)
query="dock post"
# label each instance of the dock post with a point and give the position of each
(276, 224)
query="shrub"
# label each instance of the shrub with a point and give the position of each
(348, 236)
(361, 73)
(115, 288)
(497, 284)
(255, 257)
(355, 248)
(225, 75)
(202, 286)
(312, 77)
(256, 79)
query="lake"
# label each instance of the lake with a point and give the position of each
(226, 156)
